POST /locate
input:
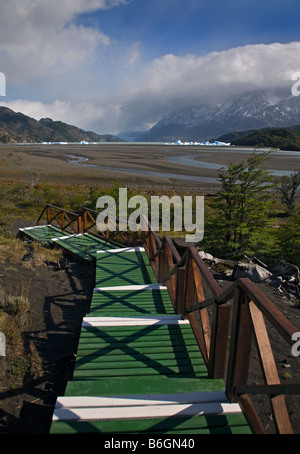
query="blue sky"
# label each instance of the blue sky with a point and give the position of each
(112, 65)
(196, 26)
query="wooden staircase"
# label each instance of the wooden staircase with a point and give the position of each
(149, 359)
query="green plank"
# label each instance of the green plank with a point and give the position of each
(44, 234)
(130, 302)
(122, 332)
(110, 277)
(123, 356)
(110, 329)
(97, 336)
(131, 346)
(84, 246)
(137, 362)
(211, 424)
(133, 338)
(167, 371)
(126, 268)
(142, 385)
(144, 349)
(126, 259)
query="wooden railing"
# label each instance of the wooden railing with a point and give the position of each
(111, 233)
(225, 324)
(64, 219)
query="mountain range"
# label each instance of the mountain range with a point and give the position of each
(17, 127)
(247, 119)
(250, 111)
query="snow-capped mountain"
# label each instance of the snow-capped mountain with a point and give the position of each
(253, 110)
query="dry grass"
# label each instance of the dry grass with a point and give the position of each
(22, 361)
(42, 256)
(14, 251)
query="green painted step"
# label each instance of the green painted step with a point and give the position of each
(158, 335)
(123, 268)
(142, 385)
(210, 424)
(109, 331)
(115, 277)
(96, 343)
(122, 356)
(160, 369)
(143, 349)
(134, 257)
(44, 234)
(84, 245)
(135, 345)
(130, 302)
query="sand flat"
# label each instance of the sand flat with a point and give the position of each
(139, 164)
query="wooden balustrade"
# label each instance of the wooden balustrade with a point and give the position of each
(225, 323)
(112, 233)
(64, 219)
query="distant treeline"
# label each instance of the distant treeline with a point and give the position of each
(282, 138)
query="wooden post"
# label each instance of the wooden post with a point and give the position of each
(79, 224)
(251, 415)
(179, 292)
(84, 221)
(161, 260)
(189, 285)
(240, 344)
(219, 341)
(48, 215)
(203, 314)
(281, 416)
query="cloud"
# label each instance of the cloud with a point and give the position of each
(248, 67)
(173, 81)
(39, 37)
(133, 54)
(70, 70)
(139, 98)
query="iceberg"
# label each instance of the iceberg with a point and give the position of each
(216, 143)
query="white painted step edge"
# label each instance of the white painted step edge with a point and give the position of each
(116, 251)
(133, 321)
(35, 227)
(140, 400)
(142, 412)
(67, 237)
(131, 287)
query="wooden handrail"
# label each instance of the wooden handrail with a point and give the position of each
(226, 339)
(60, 216)
(110, 235)
(284, 327)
